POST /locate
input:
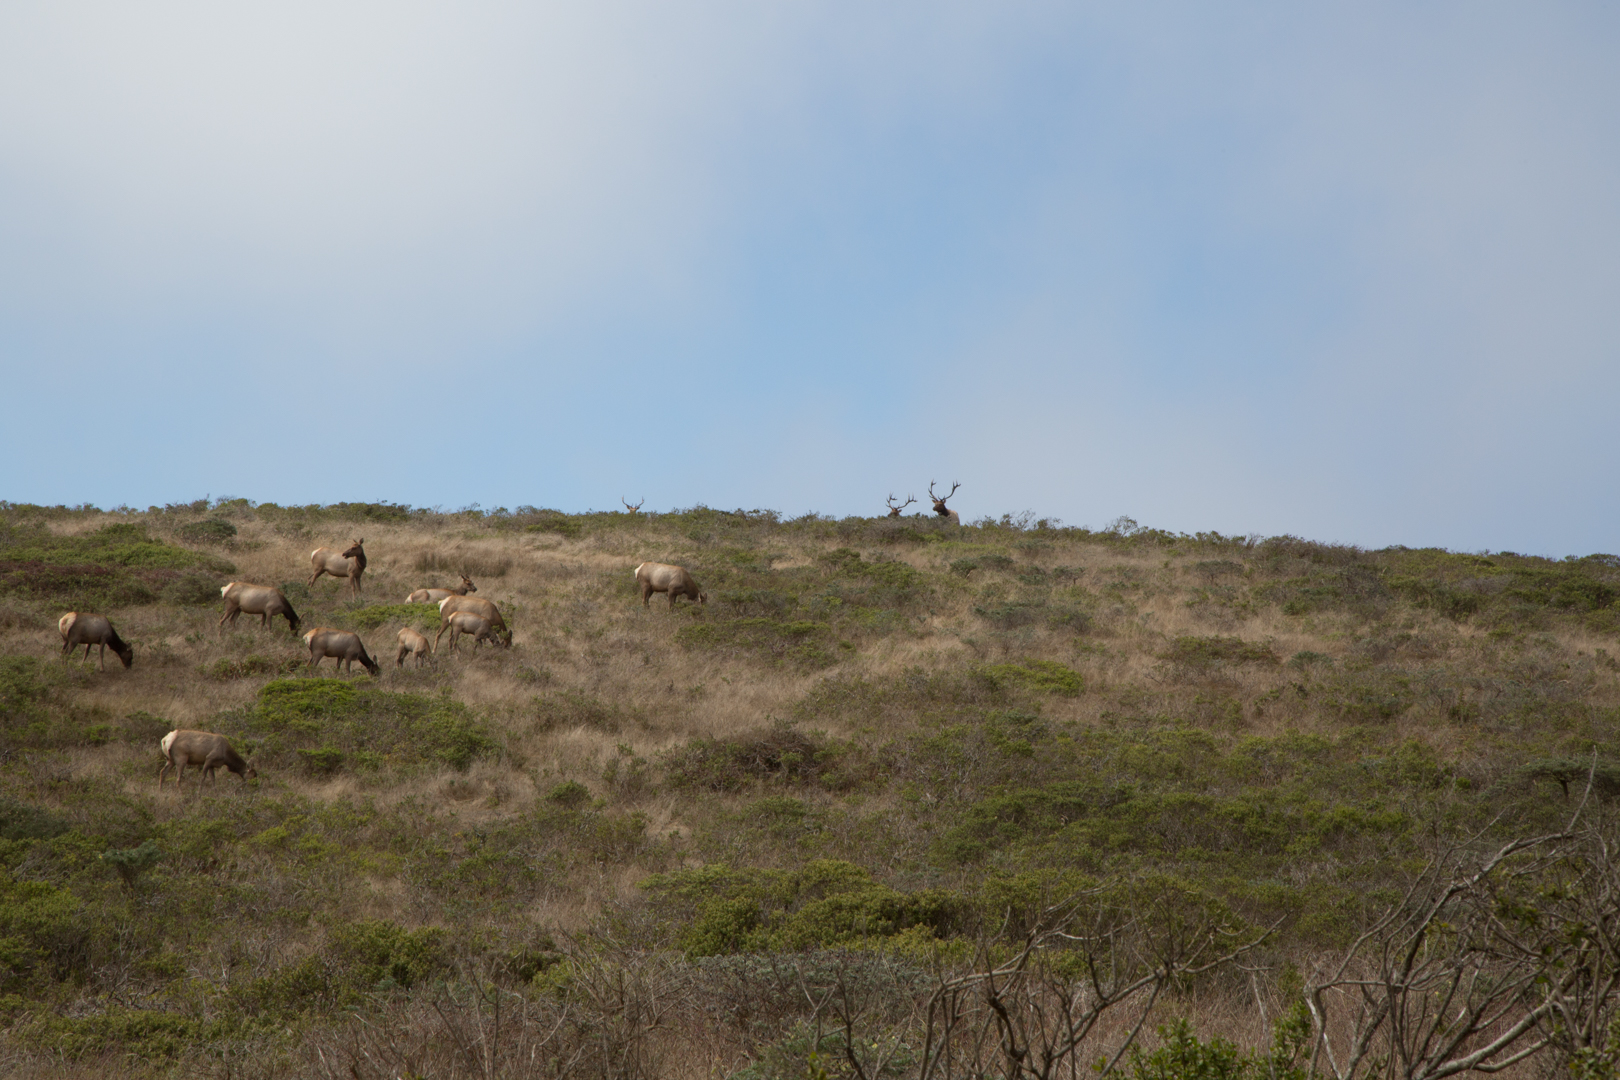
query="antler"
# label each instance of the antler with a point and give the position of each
(894, 511)
(627, 506)
(940, 499)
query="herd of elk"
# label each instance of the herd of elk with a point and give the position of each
(433, 596)
(80, 629)
(349, 563)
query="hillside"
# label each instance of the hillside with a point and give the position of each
(790, 831)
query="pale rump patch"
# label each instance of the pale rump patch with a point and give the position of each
(65, 623)
(167, 741)
(637, 570)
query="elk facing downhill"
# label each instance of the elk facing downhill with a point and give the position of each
(433, 596)
(261, 600)
(894, 511)
(349, 563)
(939, 503)
(203, 749)
(87, 630)
(342, 646)
(666, 578)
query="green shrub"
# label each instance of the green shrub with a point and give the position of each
(419, 616)
(780, 753)
(212, 531)
(42, 932)
(1047, 676)
(1206, 653)
(801, 642)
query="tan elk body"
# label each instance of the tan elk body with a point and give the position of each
(343, 646)
(412, 643)
(204, 750)
(261, 600)
(79, 628)
(656, 577)
(433, 596)
(475, 626)
(349, 563)
(477, 605)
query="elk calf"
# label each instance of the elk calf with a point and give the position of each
(414, 644)
(465, 622)
(203, 749)
(478, 606)
(342, 646)
(349, 563)
(433, 596)
(87, 630)
(665, 578)
(261, 600)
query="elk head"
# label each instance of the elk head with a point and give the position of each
(633, 509)
(894, 511)
(939, 500)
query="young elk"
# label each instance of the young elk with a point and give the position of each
(894, 511)
(475, 626)
(87, 630)
(203, 749)
(414, 644)
(349, 563)
(939, 503)
(342, 646)
(478, 606)
(674, 580)
(433, 596)
(261, 600)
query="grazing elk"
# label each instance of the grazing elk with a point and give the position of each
(894, 511)
(349, 563)
(674, 580)
(204, 750)
(87, 630)
(433, 596)
(261, 600)
(478, 606)
(342, 646)
(465, 622)
(939, 503)
(414, 644)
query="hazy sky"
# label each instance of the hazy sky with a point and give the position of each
(1346, 271)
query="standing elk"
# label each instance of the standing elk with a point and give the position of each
(349, 563)
(261, 600)
(939, 503)
(414, 644)
(433, 596)
(475, 626)
(203, 749)
(87, 630)
(636, 509)
(894, 511)
(478, 606)
(665, 578)
(342, 646)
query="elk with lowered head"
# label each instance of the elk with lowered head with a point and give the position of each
(476, 605)
(349, 563)
(414, 644)
(475, 626)
(894, 511)
(202, 749)
(261, 600)
(342, 646)
(939, 502)
(433, 596)
(79, 628)
(656, 577)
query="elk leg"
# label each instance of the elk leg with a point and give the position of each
(165, 767)
(102, 655)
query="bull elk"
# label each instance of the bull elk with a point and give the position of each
(349, 563)
(204, 750)
(894, 511)
(475, 626)
(261, 600)
(484, 609)
(414, 644)
(87, 630)
(636, 509)
(342, 646)
(433, 596)
(665, 578)
(939, 503)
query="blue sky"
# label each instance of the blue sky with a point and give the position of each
(1346, 271)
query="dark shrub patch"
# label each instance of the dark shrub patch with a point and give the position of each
(780, 752)
(801, 642)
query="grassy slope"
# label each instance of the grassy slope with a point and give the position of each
(932, 727)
